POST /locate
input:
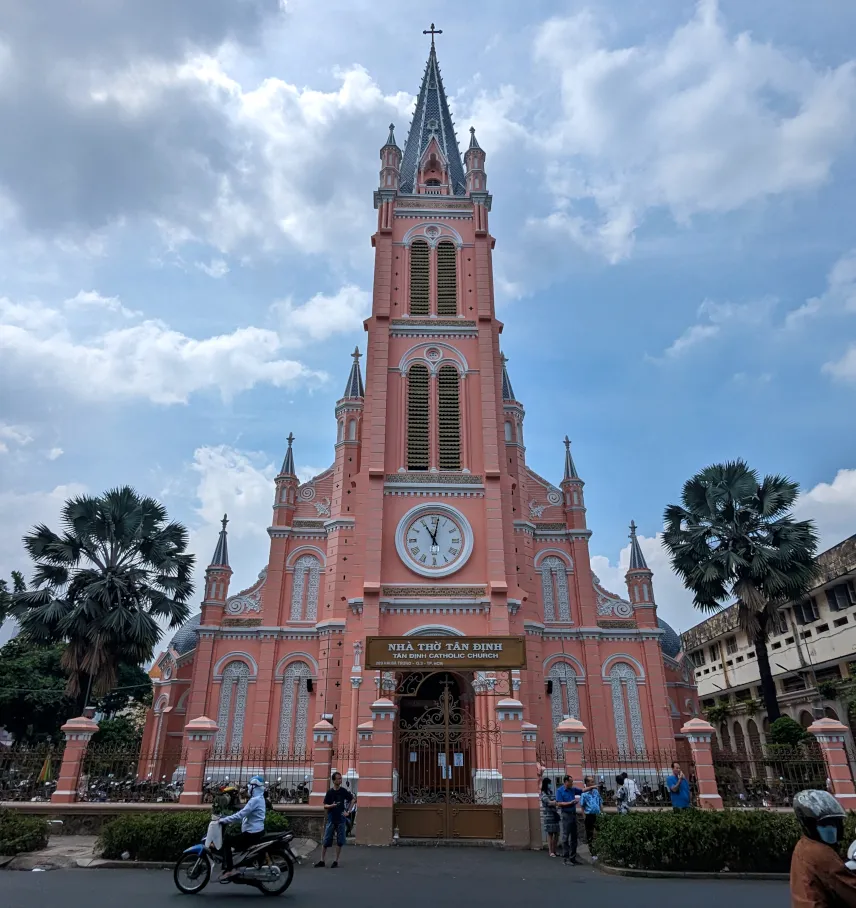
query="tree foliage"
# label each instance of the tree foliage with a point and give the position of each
(7, 596)
(733, 538)
(103, 583)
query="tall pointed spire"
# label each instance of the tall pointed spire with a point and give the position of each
(474, 142)
(221, 553)
(507, 390)
(432, 119)
(570, 466)
(288, 463)
(354, 387)
(637, 559)
(391, 138)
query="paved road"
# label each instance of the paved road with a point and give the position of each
(406, 877)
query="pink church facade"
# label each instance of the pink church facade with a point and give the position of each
(427, 523)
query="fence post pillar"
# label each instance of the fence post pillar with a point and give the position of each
(533, 793)
(699, 734)
(831, 736)
(78, 733)
(322, 759)
(375, 818)
(515, 813)
(571, 733)
(198, 735)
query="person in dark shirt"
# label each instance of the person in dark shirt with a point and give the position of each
(567, 798)
(338, 803)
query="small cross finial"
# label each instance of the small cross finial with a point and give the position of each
(224, 521)
(503, 357)
(472, 130)
(632, 528)
(290, 438)
(356, 354)
(432, 31)
(567, 442)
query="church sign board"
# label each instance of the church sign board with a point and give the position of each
(481, 653)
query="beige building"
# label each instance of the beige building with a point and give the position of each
(812, 650)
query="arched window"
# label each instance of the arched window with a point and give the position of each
(447, 279)
(233, 707)
(449, 418)
(554, 589)
(508, 434)
(418, 448)
(341, 430)
(419, 280)
(294, 712)
(304, 590)
(352, 430)
(625, 704)
(564, 698)
(739, 739)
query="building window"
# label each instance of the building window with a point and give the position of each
(731, 645)
(554, 589)
(564, 698)
(352, 430)
(714, 652)
(697, 658)
(625, 704)
(841, 596)
(778, 623)
(508, 432)
(449, 418)
(795, 682)
(304, 590)
(233, 707)
(840, 622)
(806, 611)
(419, 278)
(833, 673)
(447, 279)
(294, 711)
(418, 448)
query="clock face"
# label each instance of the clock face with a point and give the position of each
(434, 541)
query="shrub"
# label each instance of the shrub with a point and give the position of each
(787, 731)
(828, 690)
(699, 840)
(163, 836)
(20, 832)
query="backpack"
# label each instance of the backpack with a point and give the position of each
(632, 791)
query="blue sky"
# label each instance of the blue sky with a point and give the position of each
(185, 210)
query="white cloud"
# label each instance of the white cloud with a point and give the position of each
(13, 435)
(717, 318)
(694, 335)
(55, 453)
(832, 505)
(323, 315)
(90, 299)
(304, 474)
(843, 369)
(706, 121)
(840, 294)
(216, 268)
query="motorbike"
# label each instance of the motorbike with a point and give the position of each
(268, 865)
(850, 863)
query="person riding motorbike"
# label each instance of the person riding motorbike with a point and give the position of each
(819, 878)
(252, 817)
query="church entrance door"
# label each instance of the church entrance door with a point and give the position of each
(449, 786)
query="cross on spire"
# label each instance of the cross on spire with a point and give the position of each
(432, 31)
(290, 439)
(224, 521)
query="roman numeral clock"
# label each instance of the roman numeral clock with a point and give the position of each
(434, 539)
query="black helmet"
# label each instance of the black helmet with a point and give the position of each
(820, 815)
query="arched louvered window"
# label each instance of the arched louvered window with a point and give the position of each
(625, 704)
(294, 710)
(449, 418)
(418, 448)
(419, 280)
(304, 590)
(447, 279)
(564, 698)
(233, 707)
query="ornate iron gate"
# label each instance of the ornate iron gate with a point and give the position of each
(449, 785)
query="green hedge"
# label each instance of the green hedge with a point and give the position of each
(20, 832)
(163, 836)
(740, 841)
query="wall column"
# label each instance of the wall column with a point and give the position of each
(198, 735)
(515, 797)
(533, 785)
(376, 785)
(699, 734)
(322, 736)
(78, 732)
(571, 733)
(832, 737)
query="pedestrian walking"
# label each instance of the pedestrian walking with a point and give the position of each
(550, 816)
(679, 788)
(567, 798)
(622, 796)
(338, 802)
(591, 803)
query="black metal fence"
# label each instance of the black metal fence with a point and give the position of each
(29, 773)
(130, 775)
(770, 775)
(288, 775)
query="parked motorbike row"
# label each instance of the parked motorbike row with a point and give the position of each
(131, 789)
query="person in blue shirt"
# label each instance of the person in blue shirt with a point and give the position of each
(591, 803)
(679, 788)
(567, 798)
(252, 817)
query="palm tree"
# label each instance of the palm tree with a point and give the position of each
(103, 584)
(7, 597)
(733, 538)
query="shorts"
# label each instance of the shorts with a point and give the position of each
(334, 826)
